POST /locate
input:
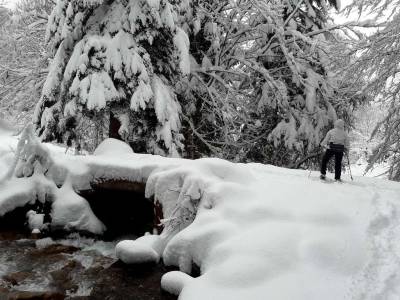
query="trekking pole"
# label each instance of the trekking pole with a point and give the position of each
(319, 157)
(348, 162)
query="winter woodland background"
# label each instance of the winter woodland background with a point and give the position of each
(246, 80)
(253, 81)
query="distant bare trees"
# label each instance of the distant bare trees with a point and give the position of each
(23, 63)
(377, 65)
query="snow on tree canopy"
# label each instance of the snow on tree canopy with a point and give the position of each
(260, 79)
(111, 60)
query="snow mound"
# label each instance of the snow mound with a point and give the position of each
(174, 282)
(22, 191)
(111, 147)
(72, 212)
(35, 221)
(140, 251)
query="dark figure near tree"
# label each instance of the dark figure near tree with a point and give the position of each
(336, 143)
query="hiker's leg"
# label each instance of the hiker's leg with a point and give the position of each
(328, 154)
(338, 164)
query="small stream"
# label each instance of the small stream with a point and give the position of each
(73, 267)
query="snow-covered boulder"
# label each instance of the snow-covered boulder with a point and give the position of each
(174, 282)
(146, 249)
(111, 147)
(72, 212)
(23, 192)
(35, 220)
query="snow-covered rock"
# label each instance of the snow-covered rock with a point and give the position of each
(36, 231)
(35, 221)
(112, 146)
(44, 243)
(72, 212)
(174, 282)
(133, 252)
(22, 191)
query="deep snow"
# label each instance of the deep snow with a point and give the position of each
(256, 231)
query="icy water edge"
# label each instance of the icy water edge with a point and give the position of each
(74, 267)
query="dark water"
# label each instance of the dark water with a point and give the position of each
(72, 268)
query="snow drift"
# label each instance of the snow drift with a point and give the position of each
(255, 231)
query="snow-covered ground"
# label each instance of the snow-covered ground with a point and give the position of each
(377, 171)
(275, 233)
(256, 231)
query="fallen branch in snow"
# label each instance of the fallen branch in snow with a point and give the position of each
(297, 165)
(182, 216)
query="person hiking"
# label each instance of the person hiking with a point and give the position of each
(336, 143)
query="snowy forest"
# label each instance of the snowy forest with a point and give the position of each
(165, 149)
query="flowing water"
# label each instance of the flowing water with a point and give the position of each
(72, 268)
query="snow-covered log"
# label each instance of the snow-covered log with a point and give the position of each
(38, 175)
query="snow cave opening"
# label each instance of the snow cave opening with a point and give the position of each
(122, 207)
(16, 220)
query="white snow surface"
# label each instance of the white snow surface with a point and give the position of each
(112, 146)
(256, 231)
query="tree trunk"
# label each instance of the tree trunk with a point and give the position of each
(114, 126)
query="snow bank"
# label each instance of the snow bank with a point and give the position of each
(22, 191)
(259, 231)
(255, 231)
(68, 210)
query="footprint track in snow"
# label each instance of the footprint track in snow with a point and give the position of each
(381, 276)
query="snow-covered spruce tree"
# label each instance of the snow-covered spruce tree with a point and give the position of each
(378, 63)
(114, 70)
(262, 85)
